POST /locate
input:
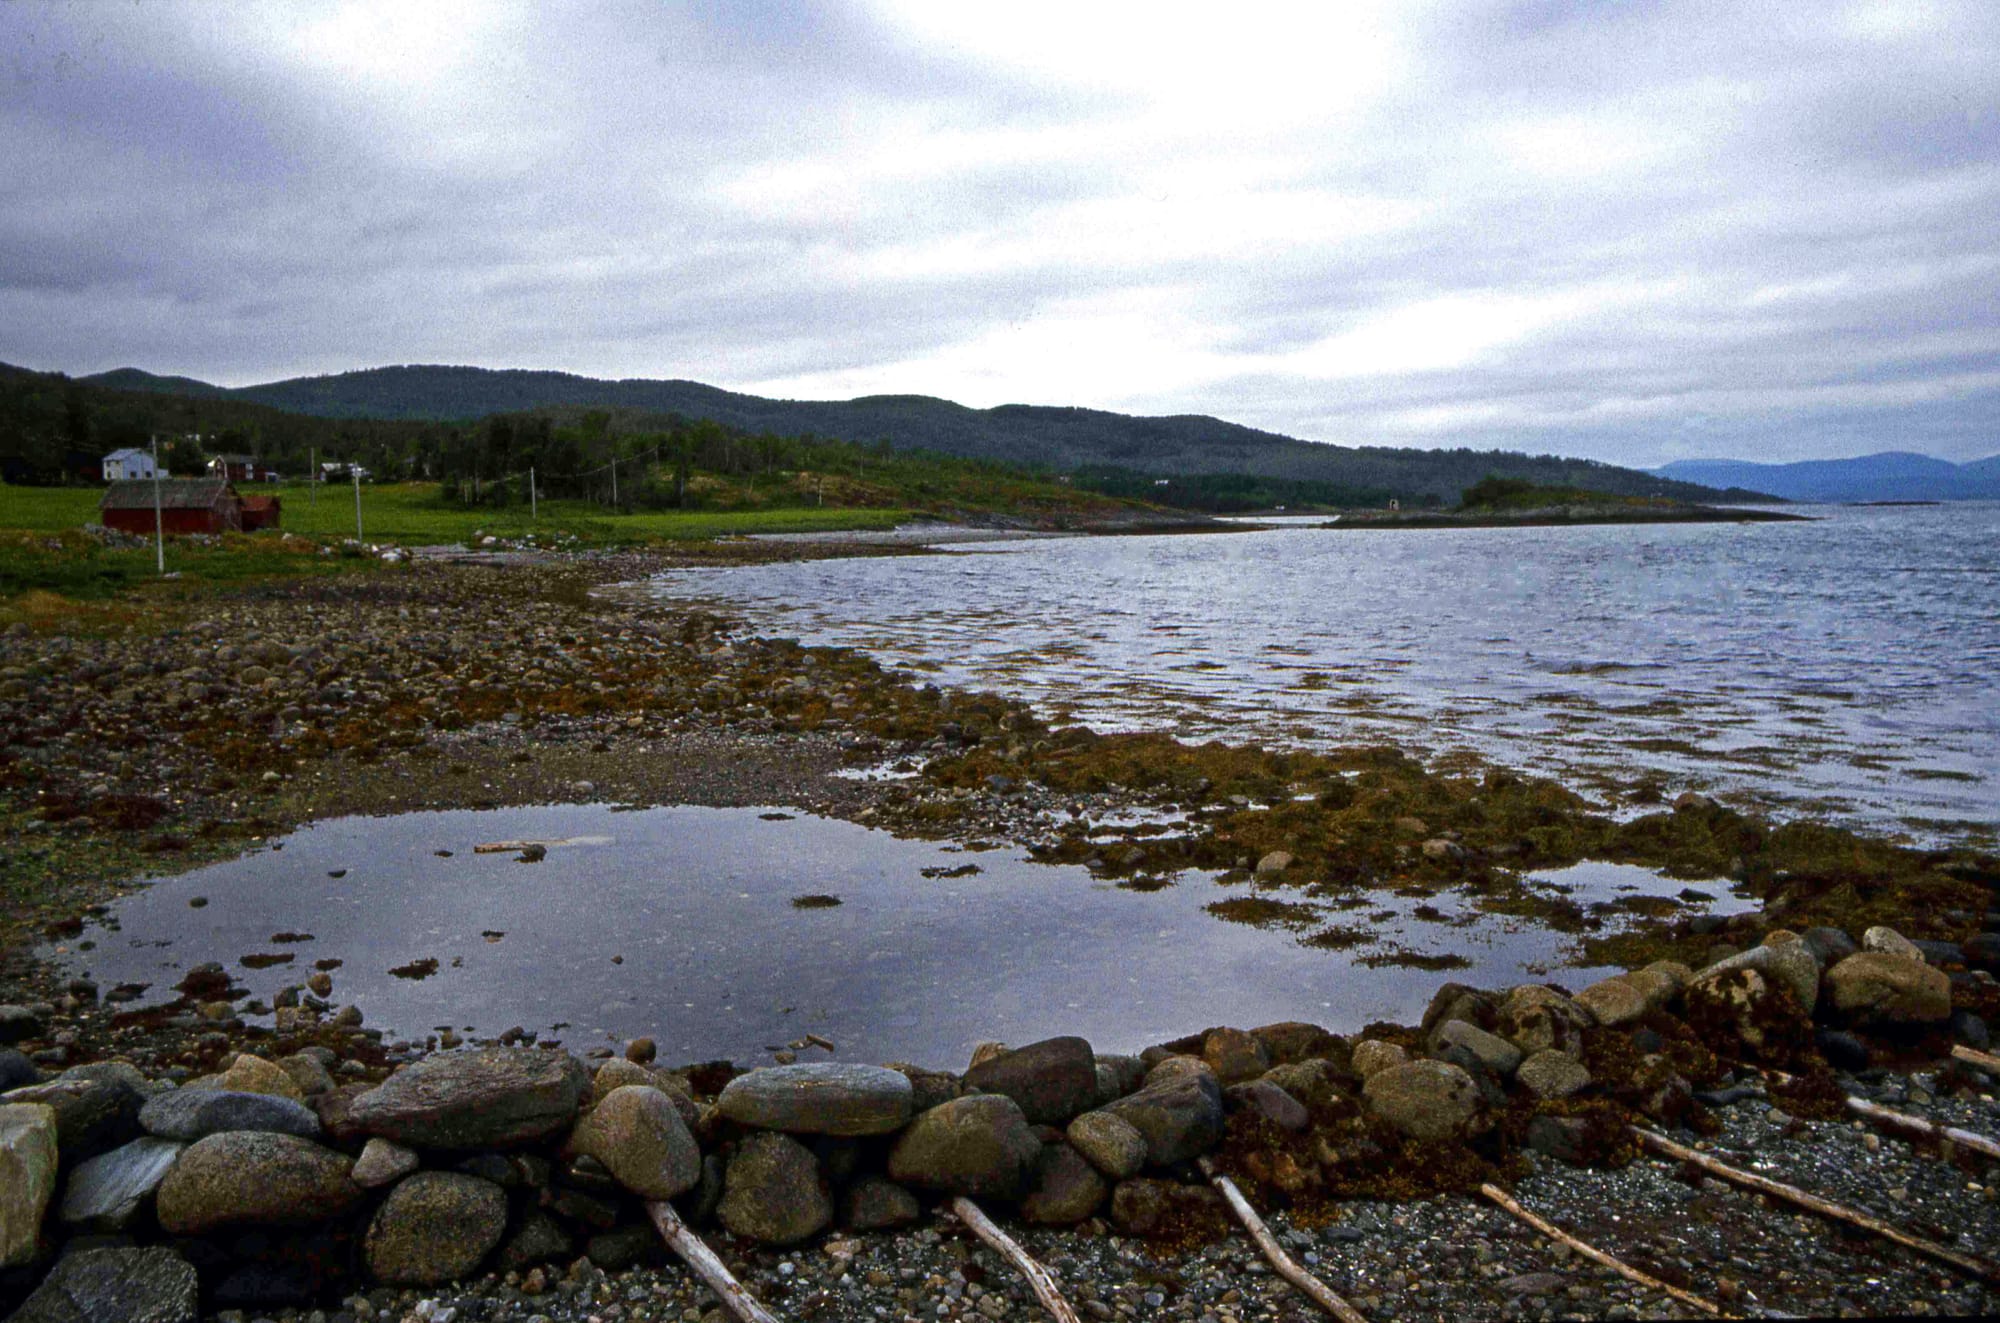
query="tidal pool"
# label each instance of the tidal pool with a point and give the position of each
(681, 924)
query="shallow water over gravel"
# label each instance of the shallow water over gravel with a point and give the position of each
(678, 923)
(1849, 666)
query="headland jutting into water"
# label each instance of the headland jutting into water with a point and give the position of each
(337, 1159)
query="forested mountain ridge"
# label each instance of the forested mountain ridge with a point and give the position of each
(1046, 437)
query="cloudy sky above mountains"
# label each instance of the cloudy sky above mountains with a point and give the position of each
(1637, 231)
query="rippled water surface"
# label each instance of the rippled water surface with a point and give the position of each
(1848, 667)
(679, 923)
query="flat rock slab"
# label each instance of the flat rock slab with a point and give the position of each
(106, 1192)
(191, 1114)
(485, 1099)
(129, 1285)
(820, 1098)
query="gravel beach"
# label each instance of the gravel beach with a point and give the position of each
(143, 740)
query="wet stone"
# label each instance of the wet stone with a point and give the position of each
(1180, 1118)
(1052, 1080)
(190, 1114)
(484, 1099)
(774, 1192)
(1109, 1143)
(435, 1226)
(980, 1146)
(639, 1136)
(107, 1192)
(251, 1177)
(820, 1098)
(152, 1285)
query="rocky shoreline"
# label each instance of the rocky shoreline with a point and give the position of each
(186, 733)
(496, 1176)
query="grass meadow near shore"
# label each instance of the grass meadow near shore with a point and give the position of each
(43, 548)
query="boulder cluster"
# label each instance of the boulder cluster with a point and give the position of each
(270, 1181)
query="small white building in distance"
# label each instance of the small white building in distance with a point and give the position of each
(122, 465)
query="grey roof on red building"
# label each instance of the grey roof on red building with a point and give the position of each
(175, 494)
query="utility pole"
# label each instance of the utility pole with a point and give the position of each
(159, 519)
(312, 475)
(534, 509)
(614, 482)
(355, 470)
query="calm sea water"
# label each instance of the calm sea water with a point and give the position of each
(1847, 668)
(679, 924)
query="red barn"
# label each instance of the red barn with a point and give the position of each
(187, 505)
(261, 512)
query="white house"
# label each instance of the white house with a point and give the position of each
(121, 465)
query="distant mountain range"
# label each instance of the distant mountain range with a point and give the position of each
(1062, 439)
(1893, 475)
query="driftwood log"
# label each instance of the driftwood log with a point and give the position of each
(714, 1274)
(1595, 1255)
(1984, 1060)
(1916, 1125)
(1310, 1286)
(1041, 1279)
(1970, 1264)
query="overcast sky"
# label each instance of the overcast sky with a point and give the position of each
(1635, 231)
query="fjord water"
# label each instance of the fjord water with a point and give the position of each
(1847, 668)
(678, 924)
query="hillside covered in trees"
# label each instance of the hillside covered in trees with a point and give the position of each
(450, 423)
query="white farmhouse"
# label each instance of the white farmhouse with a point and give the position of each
(122, 465)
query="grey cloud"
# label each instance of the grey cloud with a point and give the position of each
(1823, 208)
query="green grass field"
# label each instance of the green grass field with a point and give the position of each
(43, 550)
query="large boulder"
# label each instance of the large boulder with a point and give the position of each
(1552, 1074)
(191, 1114)
(1291, 1041)
(1265, 1099)
(1234, 1055)
(980, 1146)
(1540, 1019)
(252, 1074)
(153, 1285)
(1066, 1189)
(486, 1099)
(1425, 1100)
(1783, 960)
(1623, 998)
(106, 1192)
(820, 1098)
(639, 1136)
(1181, 1118)
(1372, 1055)
(1878, 987)
(1110, 1143)
(1887, 941)
(27, 1177)
(1052, 1080)
(434, 1227)
(774, 1191)
(1490, 1050)
(92, 1115)
(248, 1177)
